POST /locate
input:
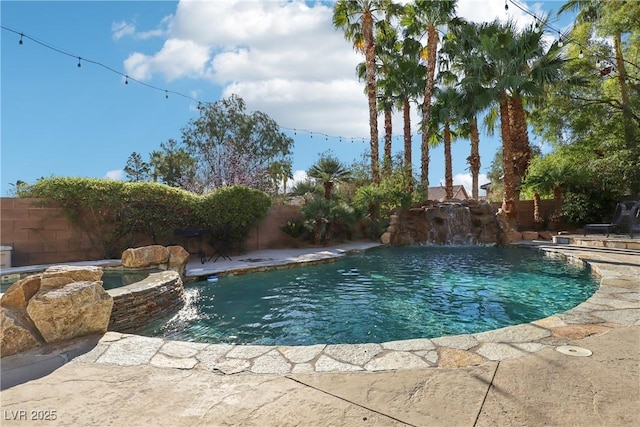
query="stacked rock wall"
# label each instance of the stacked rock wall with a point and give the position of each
(455, 222)
(138, 304)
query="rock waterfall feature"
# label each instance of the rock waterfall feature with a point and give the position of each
(453, 222)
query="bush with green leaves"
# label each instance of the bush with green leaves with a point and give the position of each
(118, 215)
(242, 207)
(293, 228)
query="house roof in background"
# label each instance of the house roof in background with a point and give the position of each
(440, 194)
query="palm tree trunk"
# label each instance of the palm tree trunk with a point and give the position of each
(557, 201)
(432, 45)
(388, 134)
(509, 195)
(369, 54)
(328, 186)
(408, 167)
(519, 140)
(474, 157)
(537, 220)
(448, 169)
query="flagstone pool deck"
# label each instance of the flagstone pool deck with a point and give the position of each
(509, 376)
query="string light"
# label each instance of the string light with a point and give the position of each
(560, 43)
(166, 91)
(581, 55)
(506, 6)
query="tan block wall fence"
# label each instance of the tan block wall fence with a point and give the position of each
(44, 235)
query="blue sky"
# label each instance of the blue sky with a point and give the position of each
(284, 58)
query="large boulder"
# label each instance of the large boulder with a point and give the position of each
(73, 310)
(19, 294)
(17, 332)
(70, 273)
(144, 257)
(178, 258)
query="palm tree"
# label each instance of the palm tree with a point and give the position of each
(447, 102)
(424, 16)
(356, 18)
(460, 48)
(513, 66)
(411, 77)
(387, 82)
(330, 171)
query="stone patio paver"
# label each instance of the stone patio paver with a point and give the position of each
(153, 381)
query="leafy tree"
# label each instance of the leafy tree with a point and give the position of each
(233, 147)
(137, 170)
(173, 165)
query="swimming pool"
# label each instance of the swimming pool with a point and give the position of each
(382, 295)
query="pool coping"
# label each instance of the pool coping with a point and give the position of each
(616, 303)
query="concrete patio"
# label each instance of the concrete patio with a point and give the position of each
(511, 376)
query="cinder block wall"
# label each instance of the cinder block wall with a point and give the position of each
(43, 235)
(268, 234)
(525, 212)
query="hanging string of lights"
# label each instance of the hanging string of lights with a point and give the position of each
(200, 104)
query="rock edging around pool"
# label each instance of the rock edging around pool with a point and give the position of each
(137, 304)
(66, 302)
(615, 304)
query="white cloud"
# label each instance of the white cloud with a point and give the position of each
(128, 29)
(467, 180)
(122, 29)
(284, 58)
(299, 176)
(115, 175)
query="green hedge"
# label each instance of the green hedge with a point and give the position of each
(115, 214)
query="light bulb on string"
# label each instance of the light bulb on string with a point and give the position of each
(506, 6)
(79, 64)
(560, 42)
(166, 95)
(581, 55)
(20, 41)
(126, 80)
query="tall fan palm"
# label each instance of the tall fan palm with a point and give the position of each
(513, 66)
(356, 18)
(445, 107)
(460, 48)
(411, 77)
(423, 17)
(387, 82)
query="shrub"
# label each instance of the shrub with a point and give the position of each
(118, 215)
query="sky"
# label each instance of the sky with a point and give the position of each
(283, 58)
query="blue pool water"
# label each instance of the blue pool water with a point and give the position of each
(381, 295)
